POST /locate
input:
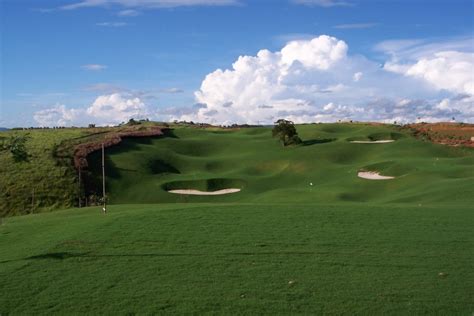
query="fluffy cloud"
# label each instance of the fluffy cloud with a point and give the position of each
(108, 109)
(313, 80)
(449, 70)
(319, 53)
(317, 80)
(58, 115)
(116, 108)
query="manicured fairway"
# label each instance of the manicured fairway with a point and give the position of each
(142, 170)
(340, 259)
(343, 245)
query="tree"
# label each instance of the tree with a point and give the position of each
(285, 130)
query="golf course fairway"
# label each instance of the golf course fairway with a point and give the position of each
(304, 235)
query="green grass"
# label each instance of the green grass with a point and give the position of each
(47, 180)
(41, 182)
(142, 170)
(342, 246)
(240, 258)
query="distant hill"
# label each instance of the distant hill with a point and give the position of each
(3, 129)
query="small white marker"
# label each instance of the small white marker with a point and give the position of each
(311, 183)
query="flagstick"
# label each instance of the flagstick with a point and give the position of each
(104, 209)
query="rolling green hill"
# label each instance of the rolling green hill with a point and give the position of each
(46, 179)
(142, 170)
(343, 245)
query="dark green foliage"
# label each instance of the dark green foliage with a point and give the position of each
(285, 130)
(16, 146)
(133, 122)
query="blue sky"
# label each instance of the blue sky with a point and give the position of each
(71, 62)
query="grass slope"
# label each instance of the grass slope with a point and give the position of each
(343, 246)
(47, 180)
(141, 170)
(41, 182)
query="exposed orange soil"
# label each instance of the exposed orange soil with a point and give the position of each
(81, 151)
(451, 134)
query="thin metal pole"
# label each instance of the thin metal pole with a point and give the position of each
(104, 209)
(80, 195)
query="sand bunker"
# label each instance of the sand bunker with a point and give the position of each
(197, 192)
(372, 175)
(383, 141)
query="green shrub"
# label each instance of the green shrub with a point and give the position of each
(16, 146)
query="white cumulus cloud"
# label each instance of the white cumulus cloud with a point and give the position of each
(449, 70)
(109, 109)
(319, 53)
(318, 80)
(116, 108)
(308, 80)
(58, 115)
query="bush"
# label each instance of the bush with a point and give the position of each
(16, 146)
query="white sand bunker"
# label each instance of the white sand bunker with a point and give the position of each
(382, 141)
(197, 192)
(372, 175)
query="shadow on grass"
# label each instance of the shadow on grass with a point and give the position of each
(169, 133)
(159, 166)
(68, 255)
(56, 255)
(318, 141)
